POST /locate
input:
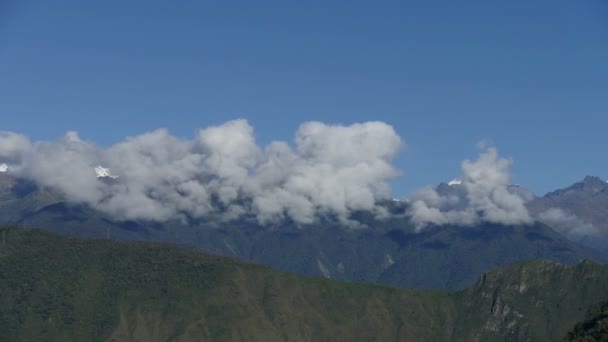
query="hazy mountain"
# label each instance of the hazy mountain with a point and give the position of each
(579, 212)
(386, 251)
(586, 200)
(56, 288)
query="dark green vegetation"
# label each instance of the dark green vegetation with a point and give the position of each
(384, 251)
(594, 328)
(55, 288)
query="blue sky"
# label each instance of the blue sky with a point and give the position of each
(529, 76)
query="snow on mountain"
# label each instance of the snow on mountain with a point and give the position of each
(455, 182)
(103, 172)
(3, 167)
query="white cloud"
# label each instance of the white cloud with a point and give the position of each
(482, 195)
(13, 146)
(332, 169)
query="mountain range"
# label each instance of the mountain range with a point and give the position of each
(387, 251)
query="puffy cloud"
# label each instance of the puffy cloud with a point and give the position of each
(485, 182)
(13, 146)
(329, 170)
(481, 195)
(335, 169)
(64, 164)
(332, 169)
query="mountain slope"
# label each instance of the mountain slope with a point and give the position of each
(386, 251)
(533, 301)
(454, 257)
(587, 200)
(54, 288)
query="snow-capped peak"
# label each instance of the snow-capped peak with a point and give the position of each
(103, 172)
(455, 182)
(3, 167)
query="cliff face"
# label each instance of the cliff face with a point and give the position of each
(533, 301)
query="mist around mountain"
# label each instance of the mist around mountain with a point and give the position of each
(56, 288)
(390, 251)
(580, 211)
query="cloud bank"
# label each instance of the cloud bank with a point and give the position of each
(482, 194)
(330, 169)
(327, 170)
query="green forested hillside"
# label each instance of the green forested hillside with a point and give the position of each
(594, 328)
(55, 288)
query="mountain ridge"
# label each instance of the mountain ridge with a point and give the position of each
(587, 201)
(389, 251)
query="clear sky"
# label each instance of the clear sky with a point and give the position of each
(530, 76)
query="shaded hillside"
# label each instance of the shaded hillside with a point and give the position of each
(453, 257)
(532, 301)
(389, 252)
(54, 288)
(594, 328)
(385, 251)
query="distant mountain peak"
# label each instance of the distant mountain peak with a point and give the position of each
(455, 182)
(589, 180)
(103, 172)
(444, 189)
(3, 167)
(594, 185)
(455, 187)
(589, 185)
